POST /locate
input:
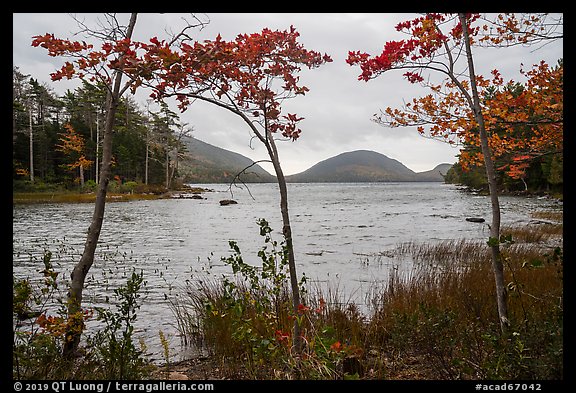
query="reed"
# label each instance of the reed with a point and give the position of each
(437, 321)
(540, 232)
(553, 215)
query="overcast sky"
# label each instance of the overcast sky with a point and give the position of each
(338, 108)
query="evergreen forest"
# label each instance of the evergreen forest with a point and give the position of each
(57, 139)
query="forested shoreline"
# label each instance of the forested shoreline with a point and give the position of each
(56, 145)
(57, 139)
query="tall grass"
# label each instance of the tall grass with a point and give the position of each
(438, 321)
(448, 318)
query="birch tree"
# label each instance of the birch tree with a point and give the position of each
(442, 44)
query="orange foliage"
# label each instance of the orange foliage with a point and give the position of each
(73, 144)
(524, 123)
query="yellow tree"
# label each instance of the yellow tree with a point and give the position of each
(525, 120)
(72, 144)
(529, 118)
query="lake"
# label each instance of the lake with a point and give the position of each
(343, 234)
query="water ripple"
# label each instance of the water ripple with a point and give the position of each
(340, 234)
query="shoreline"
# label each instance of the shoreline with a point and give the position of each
(527, 194)
(20, 198)
(34, 197)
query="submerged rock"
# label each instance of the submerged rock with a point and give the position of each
(225, 202)
(475, 219)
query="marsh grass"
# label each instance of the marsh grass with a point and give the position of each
(448, 318)
(75, 197)
(438, 321)
(251, 333)
(553, 215)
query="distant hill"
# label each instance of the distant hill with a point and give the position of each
(436, 174)
(205, 163)
(365, 166)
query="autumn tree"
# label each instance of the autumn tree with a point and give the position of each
(73, 146)
(99, 66)
(250, 76)
(87, 107)
(442, 44)
(527, 119)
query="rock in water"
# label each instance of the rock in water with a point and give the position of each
(226, 202)
(475, 219)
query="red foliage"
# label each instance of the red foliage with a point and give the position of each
(253, 73)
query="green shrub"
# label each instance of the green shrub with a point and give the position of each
(114, 349)
(89, 186)
(40, 324)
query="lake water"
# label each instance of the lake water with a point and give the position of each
(343, 234)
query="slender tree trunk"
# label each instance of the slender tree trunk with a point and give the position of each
(81, 176)
(31, 144)
(167, 174)
(82, 268)
(97, 147)
(174, 168)
(91, 130)
(287, 231)
(525, 185)
(497, 265)
(147, 153)
(268, 140)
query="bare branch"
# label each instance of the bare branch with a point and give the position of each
(233, 183)
(183, 36)
(109, 28)
(527, 30)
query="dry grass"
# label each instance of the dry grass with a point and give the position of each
(552, 215)
(438, 322)
(74, 197)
